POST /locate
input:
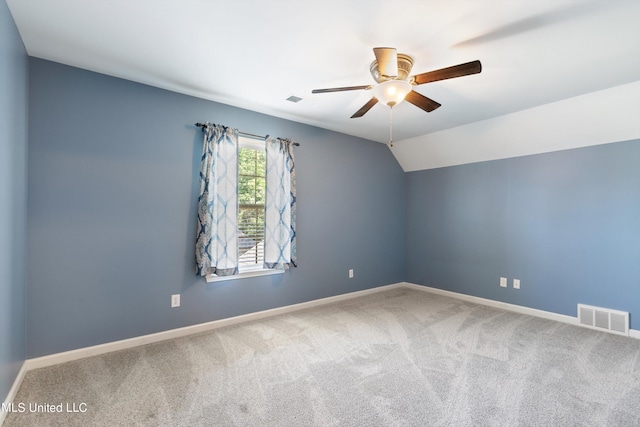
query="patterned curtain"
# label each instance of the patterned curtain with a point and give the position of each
(217, 243)
(280, 206)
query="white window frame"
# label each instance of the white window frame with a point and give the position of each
(243, 273)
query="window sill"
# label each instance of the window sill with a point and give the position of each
(243, 275)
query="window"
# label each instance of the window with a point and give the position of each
(252, 162)
(243, 230)
(251, 200)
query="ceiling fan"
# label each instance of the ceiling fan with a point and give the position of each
(391, 71)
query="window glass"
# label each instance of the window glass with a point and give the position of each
(251, 199)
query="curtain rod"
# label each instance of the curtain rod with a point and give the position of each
(202, 125)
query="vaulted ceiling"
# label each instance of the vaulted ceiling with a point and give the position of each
(255, 54)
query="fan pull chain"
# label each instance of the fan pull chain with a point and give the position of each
(390, 127)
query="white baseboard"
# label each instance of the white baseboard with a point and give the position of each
(67, 356)
(506, 306)
(497, 304)
(13, 390)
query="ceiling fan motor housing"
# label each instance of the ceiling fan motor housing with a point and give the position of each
(405, 64)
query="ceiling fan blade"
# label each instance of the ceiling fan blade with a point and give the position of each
(342, 89)
(366, 107)
(387, 58)
(421, 101)
(473, 67)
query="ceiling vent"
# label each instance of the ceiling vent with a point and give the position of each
(604, 319)
(294, 99)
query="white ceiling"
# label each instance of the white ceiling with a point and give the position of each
(255, 54)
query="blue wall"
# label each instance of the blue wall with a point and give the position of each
(567, 224)
(13, 212)
(111, 209)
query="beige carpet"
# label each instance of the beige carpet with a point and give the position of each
(396, 358)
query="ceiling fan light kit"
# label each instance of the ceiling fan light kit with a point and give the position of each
(392, 92)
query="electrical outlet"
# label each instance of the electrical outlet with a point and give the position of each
(503, 282)
(351, 273)
(175, 300)
(516, 283)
